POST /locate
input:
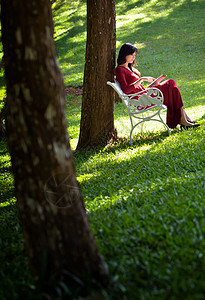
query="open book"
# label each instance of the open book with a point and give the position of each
(157, 81)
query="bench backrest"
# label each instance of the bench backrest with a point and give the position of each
(116, 86)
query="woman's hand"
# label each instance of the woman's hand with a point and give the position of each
(144, 78)
(148, 78)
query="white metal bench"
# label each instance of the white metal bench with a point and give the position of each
(147, 106)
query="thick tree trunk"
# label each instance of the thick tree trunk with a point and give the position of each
(54, 221)
(97, 117)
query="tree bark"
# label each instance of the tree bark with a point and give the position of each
(56, 228)
(97, 114)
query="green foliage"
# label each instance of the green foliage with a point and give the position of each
(145, 202)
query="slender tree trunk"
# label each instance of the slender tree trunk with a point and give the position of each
(56, 229)
(97, 117)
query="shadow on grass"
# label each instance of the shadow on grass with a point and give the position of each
(147, 216)
(120, 144)
(146, 213)
(151, 242)
(203, 117)
(159, 28)
(159, 160)
(67, 46)
(8, 194)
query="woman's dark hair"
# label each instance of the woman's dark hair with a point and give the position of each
(125, 50)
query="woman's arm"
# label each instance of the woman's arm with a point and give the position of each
(125, 81)
(129, 81)
(144, 78)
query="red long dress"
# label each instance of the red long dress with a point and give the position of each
(171, 93)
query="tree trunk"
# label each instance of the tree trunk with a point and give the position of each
(97, 115)
(56, 229)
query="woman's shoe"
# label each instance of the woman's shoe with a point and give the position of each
(189, 127)
(193, 122)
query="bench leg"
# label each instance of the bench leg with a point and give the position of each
(133, 127)
(164, 123)
(131, 142)
(146, 120)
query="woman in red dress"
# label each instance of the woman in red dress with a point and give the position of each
(130, 81)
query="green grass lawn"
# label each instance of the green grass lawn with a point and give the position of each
(146, 201)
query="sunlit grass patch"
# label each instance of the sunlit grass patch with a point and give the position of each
(73, 114)
(70, 37)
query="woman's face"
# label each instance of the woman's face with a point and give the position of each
(130, 58)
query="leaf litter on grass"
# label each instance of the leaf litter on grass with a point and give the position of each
(72, 94)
